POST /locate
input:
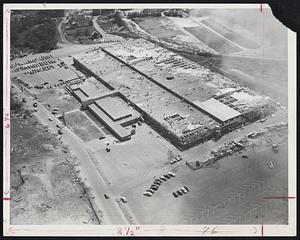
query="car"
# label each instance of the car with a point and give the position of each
(35, 104)
(123, 199)
(178, 158)
(179, 192)
(50, 119)
(186, 188)
(183, 190)
(167, 176)
(175, 194)
(155, 185)
(163, 178)
(171, 174)
(157, 182)
(150, 191)
(154, 188)
(57, 126)
(148, 194)
(106, 196)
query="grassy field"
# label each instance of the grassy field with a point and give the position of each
(82, 126)
(43, 178)
(160, 27)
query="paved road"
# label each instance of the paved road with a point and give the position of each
(112, 214)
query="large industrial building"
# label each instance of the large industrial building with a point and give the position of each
(184, 106)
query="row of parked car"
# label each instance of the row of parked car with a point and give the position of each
(157, 182)
(181, 191)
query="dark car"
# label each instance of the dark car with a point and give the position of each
(155, 188)
(157, 182)
(175, 194)
(186, 188)
(155, 185)
(150, 190)
(163, 178)
(179, 192)
(106, 196)
(167, 176)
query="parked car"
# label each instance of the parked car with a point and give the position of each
(167, 176)
(155, 185)
(186, 188)
(148, 194)
(179, 192)
(155, 188)
(175, 194)
(50, 119)
(150, 191)
(171, 174)
(163, 178)
(157, 182)
(106, 196)
(183, 190)
(123, 199)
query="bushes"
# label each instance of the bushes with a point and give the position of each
(15, 103)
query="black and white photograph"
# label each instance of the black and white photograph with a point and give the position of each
(136, 120)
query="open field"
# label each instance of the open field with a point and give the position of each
(160, 27)
(82, 126)
(212, 40)
(58, 99)
(43, 178)
(231, 35)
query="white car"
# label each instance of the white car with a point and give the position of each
(171, 174)
(148, 194)
(123, 199)
(183, 190)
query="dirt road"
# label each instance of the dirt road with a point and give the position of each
(97, 27)
(112, 214)
(61, 34)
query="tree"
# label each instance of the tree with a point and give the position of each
(86, 32)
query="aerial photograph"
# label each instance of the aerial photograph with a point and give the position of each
(148, 116)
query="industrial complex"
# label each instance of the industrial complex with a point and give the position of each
(180, 99)
(150, 102)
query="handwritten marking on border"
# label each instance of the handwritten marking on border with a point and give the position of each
(127, 230)
(6, 120)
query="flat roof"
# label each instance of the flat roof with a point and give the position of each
(120, 132)
(217, 109)
(115, 109)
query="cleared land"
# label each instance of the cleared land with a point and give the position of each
(58, 99)
(82, 126)
(231, 35)
(212, 40)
